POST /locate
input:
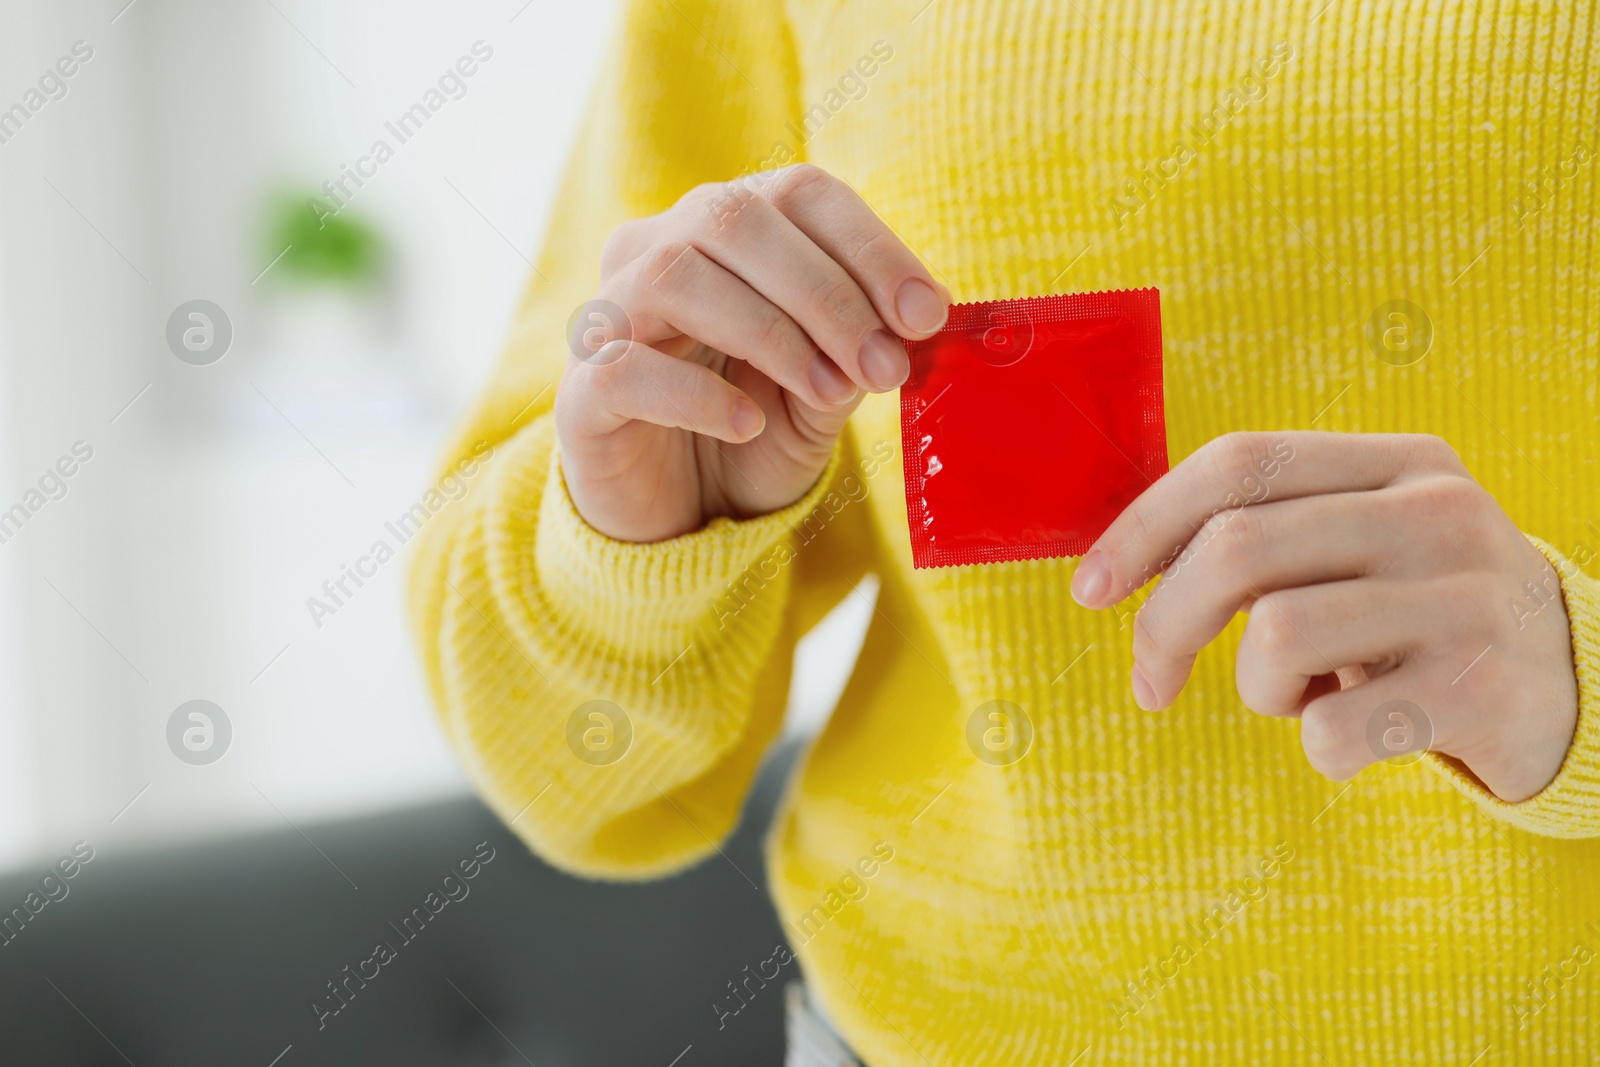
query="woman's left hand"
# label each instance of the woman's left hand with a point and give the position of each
(1373, 569)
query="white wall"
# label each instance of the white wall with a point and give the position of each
(179, 562)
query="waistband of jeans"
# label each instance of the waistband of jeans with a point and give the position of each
(813, 1042)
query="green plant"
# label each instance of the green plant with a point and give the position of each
(323, 249)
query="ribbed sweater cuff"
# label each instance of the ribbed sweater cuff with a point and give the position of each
(1570, 805)
(667, 586)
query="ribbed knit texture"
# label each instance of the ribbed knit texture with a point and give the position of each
(1074, 906)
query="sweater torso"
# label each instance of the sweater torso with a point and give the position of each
(1182, 887)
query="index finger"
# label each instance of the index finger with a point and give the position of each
(839, 222)
(1233, 471)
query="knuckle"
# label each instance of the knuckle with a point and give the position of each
(569, 389)
(1471, 501)
(1239, 539)
(1432, 452)
(1140, 528)
(797, 184)
(604, 382)
(773, 333)
(1460, 511)
(1214, 527)
(1277, 631)
(1236, 537)
(731, 215)
(1138, 548)
(577, 394)
(666, 264)
(1253, 694)
(872, 247)
(1233, 453)
(706, 193)
(697, 394)
(615, 251)
(1326, 739)
(834, 298)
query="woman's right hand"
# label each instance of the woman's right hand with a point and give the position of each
(729, 343)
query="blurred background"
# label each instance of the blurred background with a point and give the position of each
(160, 153)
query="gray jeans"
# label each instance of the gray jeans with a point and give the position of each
(813, 1042)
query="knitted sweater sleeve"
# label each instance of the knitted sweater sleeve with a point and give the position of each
(1570, 805)
(612, 701)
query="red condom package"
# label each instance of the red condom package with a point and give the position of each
(1028, 425)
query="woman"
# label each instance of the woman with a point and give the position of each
(1372, 226)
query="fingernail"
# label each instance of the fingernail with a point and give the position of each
(1092, 580)
(748, 418)
(829, 381)
(883, 361)
(920, 307)
(1143, 695)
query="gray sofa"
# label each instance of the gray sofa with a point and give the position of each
(218, 954)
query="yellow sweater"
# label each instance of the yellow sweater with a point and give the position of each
(1137, 889)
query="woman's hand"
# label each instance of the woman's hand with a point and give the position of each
(1374, 569)
(753, 314)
